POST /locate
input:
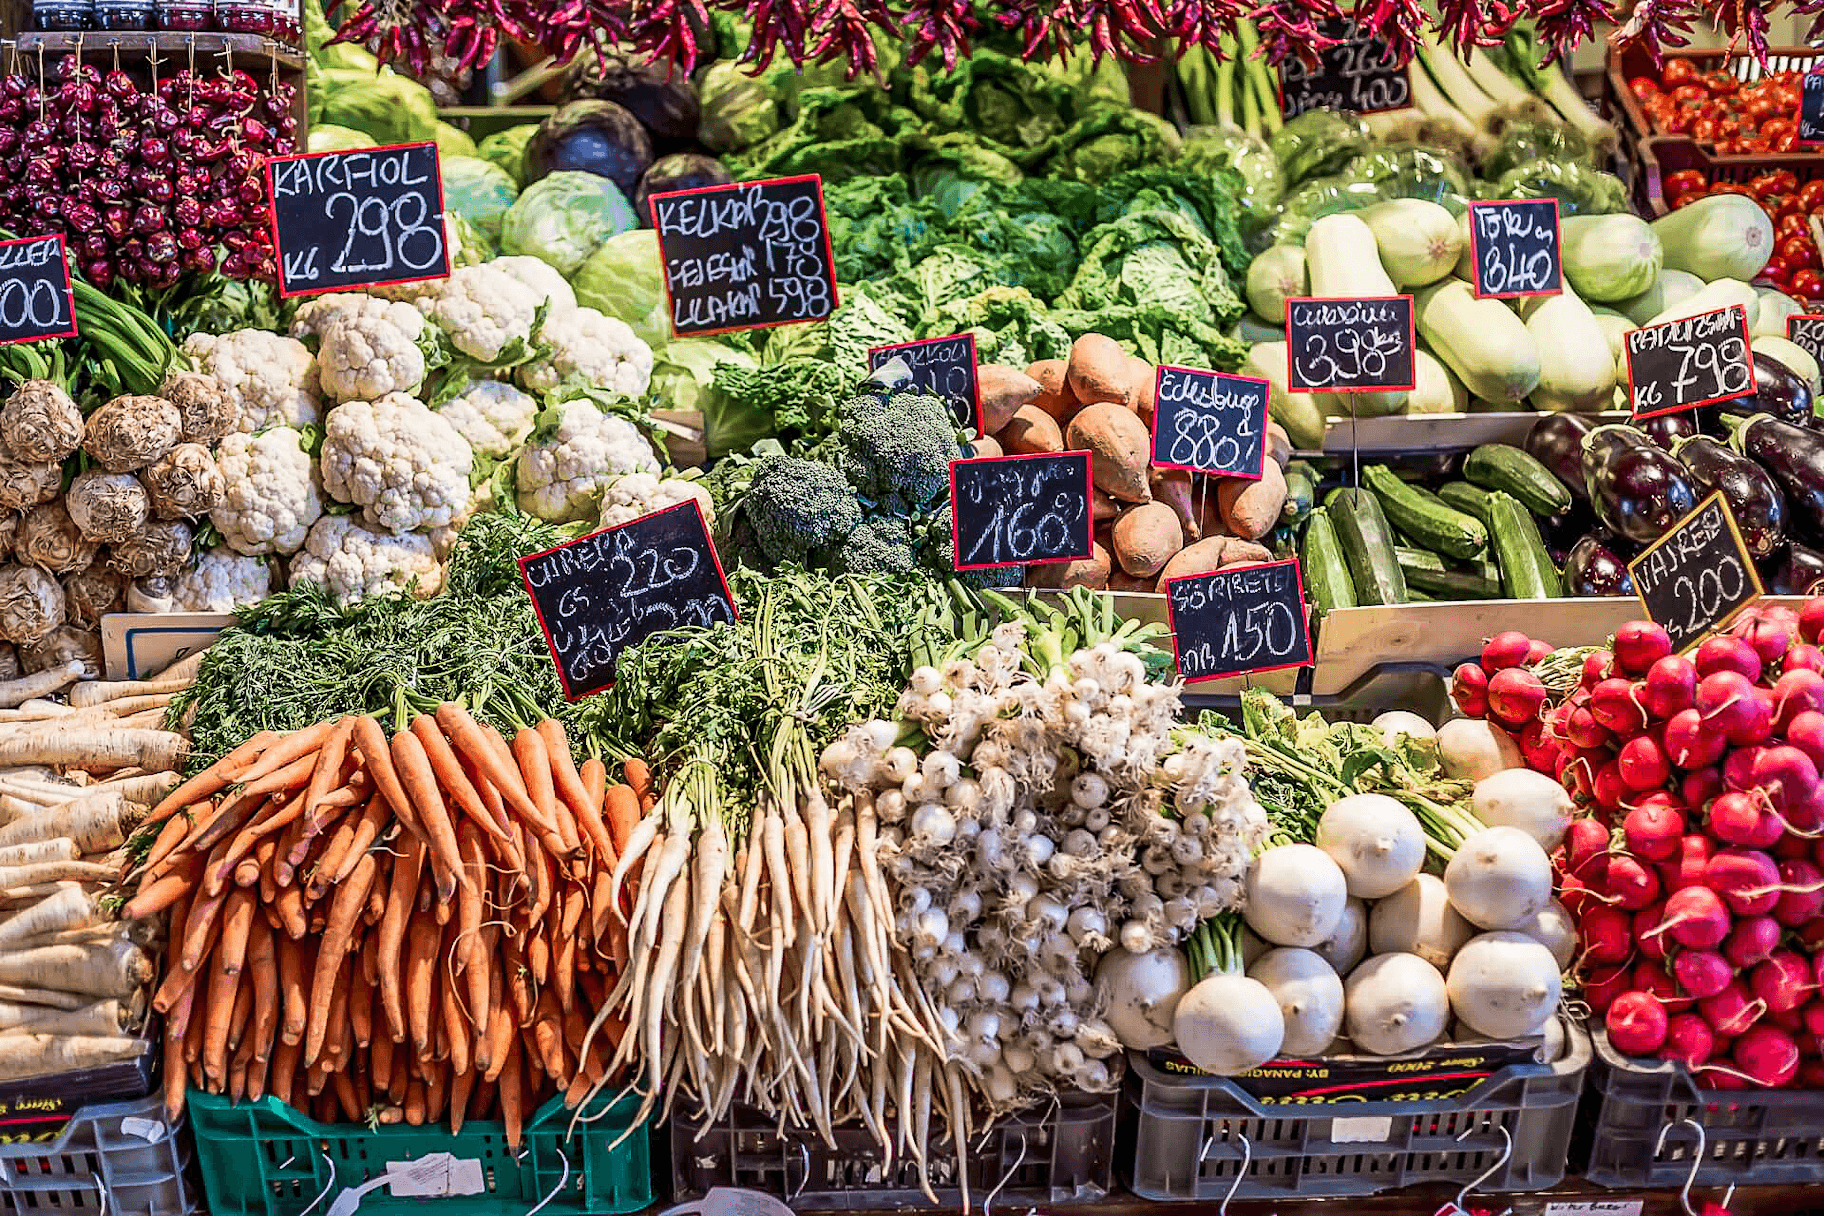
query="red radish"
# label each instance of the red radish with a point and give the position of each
(1654, 827)
(1584, 841)
(1645, 927)
(1767, 1054)
(1790, 847)
(1653, 979)
(1694, 853)
(1811, 1076)
(1801, 893)
(1504, 650)
(1701, 973)
(1543, 752)
(1810, 938)
(1603, 985)
(1576, 896)
(1789, 1020)
(1728, 654)
(1689, 1040)
(1804, 657)
(1607, 935)
(1803, 819)
(1671, 685)
(1514, 696)
(1699, 787)
(1767, 635)
(1782, 981)
(1730, 1012)
(1469, 689)
(1738, 767)
(1813, 1017)
(1598, 665)
(1751, 939)
(1740, 818)
(1730, 702)
(1609, 790)
(1786, 775)
(1796, 691)
(1805, 731)
(1582, 728)
(1811, 620)
(1695, 918)
(1636, 1023)
(1640, 644)
(1746, 879)
(1630, 883)
(1642, 764)
(1538, 652)
(1616, 705)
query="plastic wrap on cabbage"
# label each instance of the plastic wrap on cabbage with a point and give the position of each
(838, 133)
(1314, 200)
(1318, 143)
(623, 278)
(1010, 326)
(1413, 171)
(478, 190)
(1522, 142)
(1579, 189)
(1262, 181)
(326, 137)
(1110, 141)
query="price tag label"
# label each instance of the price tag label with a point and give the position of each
(1021, 510)
(1350, 346)
(1689, 362)
(1806, 332)
(1251, 618)
(1209, 422)
(945, 366)
(745, 255)
(613, 589)
(36, 300)
(357, 219)
(1594, 1207)
(1811, 109)
(1695, 578)
(1361, 75)
(1514, 243)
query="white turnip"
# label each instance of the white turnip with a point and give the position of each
(1419, 919)
(1310, 998)
(1499, 879)
(1394, 1003)
(1504, 984)
(1554, 929)
(1524, 799)
(1376, 841)
(1140, 992)
(1228, 1024)
(1294, 895)
(1397, 722)
(1473, 748)
(1348, 942)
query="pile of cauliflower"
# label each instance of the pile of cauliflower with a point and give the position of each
(341, 466)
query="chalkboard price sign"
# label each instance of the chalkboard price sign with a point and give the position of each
(1689, 362)
(611, 590)
(1807, 333)
(945, 366)
(1021, 510)
(1696, 577)
(1362, 75)
(1209, 422)
(745, 255)
(1514, 243)
(36, 300)
(1811, 109)
(1251, 618)
(357, 219)
(1350, 346)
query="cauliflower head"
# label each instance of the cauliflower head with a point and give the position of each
(542, 277)
(494, 416)
(351, 562)
(484, 310)
(402, 463)
(317, 313)
(596, 349)
(271, 378)
(627, 498)
(562, 473)
(221, 581)
(271, 497)
(365, 355)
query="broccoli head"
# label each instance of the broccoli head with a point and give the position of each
(896, 449)
(795, 506)
(937, 551)
(882, 545)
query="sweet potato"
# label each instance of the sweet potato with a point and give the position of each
(1102, 507)
(1032, 430)
(1091, 571)
(1279, 445)
(1211, 554)
(1003, 390)
(1054, 397)
(1173, 488)
(1146, 538)
(986, 445)
(1121, 580)
(1250, 509)
(1143, 380)
(1098, 370)
(1118, 443)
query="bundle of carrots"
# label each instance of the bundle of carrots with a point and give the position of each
(401, 929)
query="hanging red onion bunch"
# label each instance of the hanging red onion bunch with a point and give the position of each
(146, 185)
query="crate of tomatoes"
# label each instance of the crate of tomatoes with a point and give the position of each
(1672, 172)
(1731, 105)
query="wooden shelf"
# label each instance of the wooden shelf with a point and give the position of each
(173, 43)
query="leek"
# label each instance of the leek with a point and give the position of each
(1523, 56)
(1469, 100)
(1432, 103)
(1225, 83)
(1254, 73)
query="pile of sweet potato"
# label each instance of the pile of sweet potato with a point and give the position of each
(1152, 524)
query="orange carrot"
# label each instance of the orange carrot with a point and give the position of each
(453, 781)
(512, 1095)
(360, 1009)
(638, 774)
(471, 740)
(370, 741)
(263, 965)
(237, 923)
(394, 923)
(160, 895)
(457, 1027)
(334, 870)
(568, 782)
(422, 949)
(285, 1070)
(420, 785)
(462, 1089)
(534, 761)
(210, 781)
(333, 951)
(163, 845)
(222, 987)
(176, 1023)
(624, 814)
(289, 906)
(324, 777)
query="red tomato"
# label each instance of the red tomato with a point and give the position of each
(1786, 142)
(1706, 130)
(1773, 128)
(1678, 71)
(1692, 93)
(1676, 121)
(1685, 181)
(1807, 284)
(1721, 83)
(1793, 223)
(1811, 195)
(1644, 87)
(1683, 200)
(1799, 251)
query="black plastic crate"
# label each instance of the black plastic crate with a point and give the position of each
(110, 1159)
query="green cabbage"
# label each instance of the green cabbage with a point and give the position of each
(683, 378)
(623, 279)
(325, 137)
(507, 149)
(740, 110)
(1318, 142)
(453, 141)
(564, 218)
(392, 109)
(1263, 182)
(478, 191)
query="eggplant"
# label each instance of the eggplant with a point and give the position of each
(1562, 531)
(1593, 568)
(1638, 490)
(1778, 390)
(1751, 492)
(1556, 441)
(1801, 573)
(1667, 429)
(1794, 455)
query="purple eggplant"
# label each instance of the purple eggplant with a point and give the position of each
(1751, 492)
(1778, 390)
(1794, 455)
(1638, 490)
(1562, 531)
(1556, 441)
(1800, 572)
(1667, 429)
(1593, 568)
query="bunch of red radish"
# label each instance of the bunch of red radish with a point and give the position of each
(1697, 878)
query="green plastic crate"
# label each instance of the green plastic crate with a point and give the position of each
(265, 1159)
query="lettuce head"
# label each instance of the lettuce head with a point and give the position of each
(563, 218)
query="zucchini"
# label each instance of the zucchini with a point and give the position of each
(1367, 544)
(1301, 492)
(1501, 466)
(1418, 240)
(1298, 413)
(1435, 390)
(1611, 258)
(1464, 497)
(1426, 571)
(1482, 341)
(1576, 363)
(1327, 579)
(1426, 518)
(1669, 289)
(1721, 236)
(1344, 263)
(1724, 293)
(1275, 276)
(1527, 572)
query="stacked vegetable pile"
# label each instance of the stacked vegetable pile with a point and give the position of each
(1718, 109)
(1693, 876)
(1795, 267)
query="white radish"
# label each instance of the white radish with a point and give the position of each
(1472, 749)
(1228, 1024)
(1140, 993)
(32, 1055)
(1504, 984)
(1376, 841)
(1553, 929)
(1397, 722)
(1525, 799)
(1395, 1003)
(1310, 997)
(1419, 919)
(1294, 895)
(1348, 942)
(1499, 878)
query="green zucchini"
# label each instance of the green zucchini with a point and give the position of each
(1527, 572)
(1367, 544)
(1327, 579)
(1464, 497)
(1424, 517)
(1426, 571)
(1301, 492)
(1413, 558)
(1501, 466)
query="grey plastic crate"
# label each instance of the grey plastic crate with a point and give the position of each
(1049, 1156)
(1183, 1137)
(112, 1159)
(1758, 1136)
(1419, 688)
